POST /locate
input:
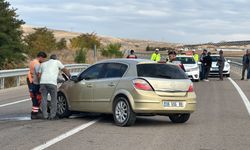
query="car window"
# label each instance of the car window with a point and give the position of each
(114, 70)
(161, 71)
(214, 58)
(94, 72)
(186, 60)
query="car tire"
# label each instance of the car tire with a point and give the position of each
(227, 75)
(179, 118)
(122, 112)
(62, 106)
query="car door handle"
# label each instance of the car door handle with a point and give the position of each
(111, 84)
(89, 85)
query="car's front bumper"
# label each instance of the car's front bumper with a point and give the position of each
(195, 75)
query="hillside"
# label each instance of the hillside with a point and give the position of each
(136, 44)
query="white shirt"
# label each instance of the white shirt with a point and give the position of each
(49, 71)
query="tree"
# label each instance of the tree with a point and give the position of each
(11, 45)
(62, 44)
(80, 56)
(41, 40)
(112, 50)
(85, 41)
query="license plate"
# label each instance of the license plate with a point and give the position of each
(173, 104)
(215, 68)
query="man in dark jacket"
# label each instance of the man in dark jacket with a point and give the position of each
(202, 71)
(207, 60)
(245, 64)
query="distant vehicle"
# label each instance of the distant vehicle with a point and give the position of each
(127, 88)
(190, 66)
(214, 70)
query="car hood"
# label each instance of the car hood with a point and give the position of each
(188, 66)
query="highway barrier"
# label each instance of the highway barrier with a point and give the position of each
(18, 73)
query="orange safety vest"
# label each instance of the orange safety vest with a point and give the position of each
(32, 69)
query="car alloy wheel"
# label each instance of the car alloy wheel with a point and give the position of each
(122, 112)
(62, 106)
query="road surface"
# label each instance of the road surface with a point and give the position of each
(221, 122)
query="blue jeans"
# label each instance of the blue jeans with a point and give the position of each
(248, 72)
(202, 72)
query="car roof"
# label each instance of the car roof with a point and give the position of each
(128, 61)
(184, 56)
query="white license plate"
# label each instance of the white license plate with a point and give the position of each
(215, 69)
(173, 104)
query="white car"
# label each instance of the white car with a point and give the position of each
(191, 67)
(214, 70)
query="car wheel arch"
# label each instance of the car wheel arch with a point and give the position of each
(126, 95)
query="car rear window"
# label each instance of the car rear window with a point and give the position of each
(186, 60)
(160, 71)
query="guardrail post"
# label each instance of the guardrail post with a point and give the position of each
(1, 83)
(18, 81)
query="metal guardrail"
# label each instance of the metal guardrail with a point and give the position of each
(18, 73)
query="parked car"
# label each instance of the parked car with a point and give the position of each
(127, 88)
(191, 67)
(214, 70)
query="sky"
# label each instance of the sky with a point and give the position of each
(175, 21)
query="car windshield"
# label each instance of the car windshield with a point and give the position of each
(186, 60)
(160, 71)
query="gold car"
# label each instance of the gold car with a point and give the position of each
(127, 88)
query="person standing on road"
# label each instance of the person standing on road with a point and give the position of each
(132, 55)
(248, 68)
(156, 56)
(245, 64)
(33, 84)
(220, 64)
(207, 65)
(48, 81)
(202, 70)
(172, 56)
(196, 56)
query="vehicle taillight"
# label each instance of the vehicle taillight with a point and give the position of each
(142, 85)
(191, 88)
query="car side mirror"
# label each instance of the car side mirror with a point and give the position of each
(74, 78)
(229, 61)
(199, 63)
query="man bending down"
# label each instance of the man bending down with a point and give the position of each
(48, 84)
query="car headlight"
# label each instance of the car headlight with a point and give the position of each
(227, 65)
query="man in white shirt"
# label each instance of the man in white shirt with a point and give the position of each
(49, 71)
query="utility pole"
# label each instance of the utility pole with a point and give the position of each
(95, 53)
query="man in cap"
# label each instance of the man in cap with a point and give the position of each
(156, 56)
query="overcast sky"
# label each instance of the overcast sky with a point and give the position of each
(179, 21)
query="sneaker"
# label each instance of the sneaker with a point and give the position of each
(242, 79)
(36, 116)
(206, 80)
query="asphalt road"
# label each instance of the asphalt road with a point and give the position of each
(221, 122)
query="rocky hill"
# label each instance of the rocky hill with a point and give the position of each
(139, 45)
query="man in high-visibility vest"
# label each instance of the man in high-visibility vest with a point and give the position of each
(156, 56)
(33, 84)
(196, 56)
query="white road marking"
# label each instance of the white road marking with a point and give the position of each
(65, 135)
(242, 95)
(3, 105)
